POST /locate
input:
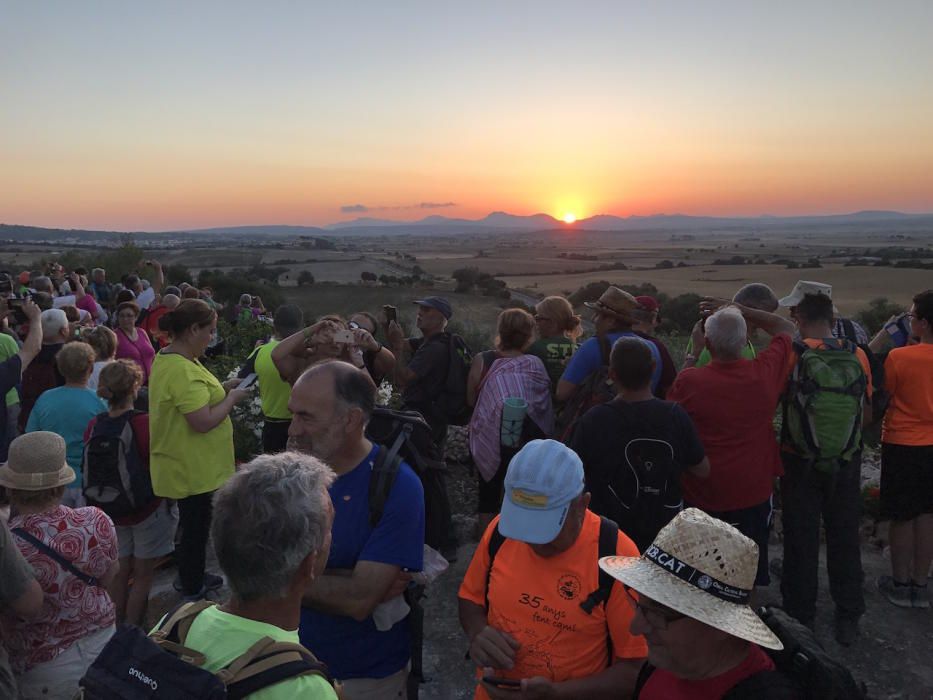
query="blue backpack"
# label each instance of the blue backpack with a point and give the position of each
(115, 478)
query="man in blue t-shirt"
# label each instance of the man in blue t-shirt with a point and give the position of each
(354, 618)
(613, 315)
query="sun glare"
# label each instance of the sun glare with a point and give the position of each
(569, 218)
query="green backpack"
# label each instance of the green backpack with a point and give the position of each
(823, 404)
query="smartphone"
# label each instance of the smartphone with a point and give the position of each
(391, 313)
(343, 336)
(248, 381)
(502, 683)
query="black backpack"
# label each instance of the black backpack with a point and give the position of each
(594, 390)
(451, 401)
(879, 395)
(608, 545)
(643, 494)
(114, 477)
(406, 436)
(802, 660)
(134, 665)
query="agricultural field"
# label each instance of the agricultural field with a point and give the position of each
(853, 287)
(561, 261)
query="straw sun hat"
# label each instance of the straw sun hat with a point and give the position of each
(36, 461)
(703, 568)
(616, 302)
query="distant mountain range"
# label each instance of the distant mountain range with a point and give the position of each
(606, 222)
(496, 222)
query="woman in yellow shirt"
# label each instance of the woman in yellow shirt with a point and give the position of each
(191, 449)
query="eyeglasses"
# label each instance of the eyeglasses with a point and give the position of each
(658, 616)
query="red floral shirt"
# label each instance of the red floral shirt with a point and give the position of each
(72, 609)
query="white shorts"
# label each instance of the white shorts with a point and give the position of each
(153, 537)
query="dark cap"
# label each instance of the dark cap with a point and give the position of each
(439, 303)
(648, 303)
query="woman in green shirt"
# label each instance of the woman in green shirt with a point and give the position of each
(191, 435)
(558, 330)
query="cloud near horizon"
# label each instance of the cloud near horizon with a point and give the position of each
(363, 208)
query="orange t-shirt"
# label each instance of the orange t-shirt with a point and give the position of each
(908, 377)
(537, 600)
(816, 343)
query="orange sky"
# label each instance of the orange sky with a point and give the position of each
(141, 118)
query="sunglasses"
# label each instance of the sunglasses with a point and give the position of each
(658, 616)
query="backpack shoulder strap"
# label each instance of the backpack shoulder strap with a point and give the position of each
(176, 623)
(608, 540)
(385, 469)
(605, 349)
(266, 663)
(848, 329)
(644, 673)
(54, 555)
(496, 540)
(173, 631)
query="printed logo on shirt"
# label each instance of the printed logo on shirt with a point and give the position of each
(568, 586)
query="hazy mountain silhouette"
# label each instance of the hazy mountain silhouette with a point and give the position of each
(502, 222)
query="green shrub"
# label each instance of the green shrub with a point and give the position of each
(879, 310)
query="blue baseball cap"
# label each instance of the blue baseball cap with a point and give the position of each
(439, 303)
(540, 484)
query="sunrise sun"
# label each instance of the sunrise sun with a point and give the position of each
(569, 218)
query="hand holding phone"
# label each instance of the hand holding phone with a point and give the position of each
(248, 381)
(343, 336)
(391, 313)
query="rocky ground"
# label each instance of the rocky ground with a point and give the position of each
(892, 656)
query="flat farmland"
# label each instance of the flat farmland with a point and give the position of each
(853, 287)
(346, 271)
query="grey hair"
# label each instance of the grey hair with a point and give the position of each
(246, 299)
(42, 284)
(726, 333)
(98, 269)
(757, 296)
(53, 321)
(267, 518)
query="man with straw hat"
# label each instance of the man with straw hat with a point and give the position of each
(690, 592)
(614, 317)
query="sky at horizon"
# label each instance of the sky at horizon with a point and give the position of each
(172, 115)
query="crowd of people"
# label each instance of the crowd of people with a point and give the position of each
(624, 513)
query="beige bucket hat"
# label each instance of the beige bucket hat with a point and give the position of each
(617, 302)
(702, 568)
(36, 461)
